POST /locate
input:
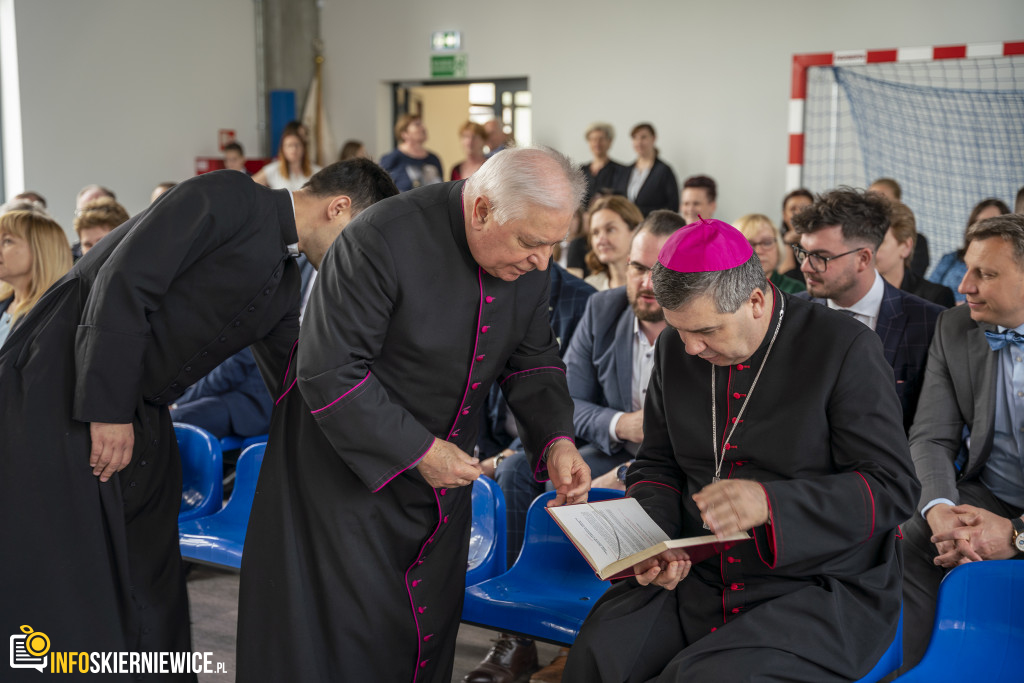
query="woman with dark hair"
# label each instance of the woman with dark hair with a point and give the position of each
(651, 183)
(602, 173)
(613, 221)
(896, 252)
(34, 253)
(792, 204)
(411, 164)
(292, 168)
(472, 137)
(353, 149)
(951, 267)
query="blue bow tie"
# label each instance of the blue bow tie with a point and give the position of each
(998, 340)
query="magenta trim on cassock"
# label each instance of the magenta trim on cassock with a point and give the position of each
(291, 354)
(872, 496)
(656, 483)
(412, 602)
(294, 382)
(543, 367)
(407, 467)
(476, 343)
(771, 540)
(342, 396)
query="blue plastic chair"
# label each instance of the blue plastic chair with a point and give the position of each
(202, 491)
(979, 627)
(233, 442)
(549, 590)
(487, 537)
(891, 659)
(217, 540)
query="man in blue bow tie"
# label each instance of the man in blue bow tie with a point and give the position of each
(967, 439)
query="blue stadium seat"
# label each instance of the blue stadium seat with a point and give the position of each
(487, 536)
(202, 491)
(218, 539)
(232, 442)
(548, 591)
(979, 627)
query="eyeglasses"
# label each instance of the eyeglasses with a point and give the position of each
(819, 263)
(763, 244)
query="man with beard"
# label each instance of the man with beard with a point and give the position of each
(608, 365)
(839, 237)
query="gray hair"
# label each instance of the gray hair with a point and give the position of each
(518, 178)
(606, 128)
(729, 289)
(24, 205)
(1009, 227)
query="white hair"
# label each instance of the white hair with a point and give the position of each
(519, 178)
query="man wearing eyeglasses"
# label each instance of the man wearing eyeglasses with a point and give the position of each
(839, 236)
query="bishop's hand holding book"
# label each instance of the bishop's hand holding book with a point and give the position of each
(614, 536)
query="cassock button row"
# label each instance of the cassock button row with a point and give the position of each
(475, 386)
(237, 323)
(132, 484)
(489, 299)
(444, 491)
(428, 637)
(480, 357)
(446, 519)
(735, 610)
(485, 328)
(143, 463)
(204, 354)
(466, 411)
(252, 309)
(416, 582)
(713, 629)
(421, 610)
(730, 560)
(423, 664)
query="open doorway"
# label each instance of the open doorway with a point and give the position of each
(445, 105)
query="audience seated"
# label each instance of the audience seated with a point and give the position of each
(234, 157)
(839, 235)
(697, 199)
(497, 138)
(652, 184)
(603, 174)
(764, 238)
(34, 254)
(231, 400)
(97, 218)
(951, 267)
(353, 149)
(894, 255)
(792, 204)
(86, 195)
(32, 196)
(293, 167)
(891, 190)
(410, 163)
(965, 440)
(472, 137)
(612, 222)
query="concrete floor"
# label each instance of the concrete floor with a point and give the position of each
(214, 601)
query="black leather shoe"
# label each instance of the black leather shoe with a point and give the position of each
(510, 660)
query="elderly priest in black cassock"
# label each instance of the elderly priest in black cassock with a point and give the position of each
(355, 557)
(90, 480)
(768, 414)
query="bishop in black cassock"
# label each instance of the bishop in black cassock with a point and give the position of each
(354, 564)
(808, 441)
(157, 304)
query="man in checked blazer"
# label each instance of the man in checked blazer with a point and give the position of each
(967, 440)
(839, 235)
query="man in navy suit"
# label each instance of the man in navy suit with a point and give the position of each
(839, 236)
(608, 365)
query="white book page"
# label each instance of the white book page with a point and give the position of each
(611, 529)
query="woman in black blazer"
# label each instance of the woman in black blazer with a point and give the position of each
(652, 184)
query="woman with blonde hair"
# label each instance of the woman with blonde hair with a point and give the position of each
(613, 220)
(293, 167)
(34, 253)
(764, 238)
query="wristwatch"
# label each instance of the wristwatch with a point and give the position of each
(620, 473)
(1018, 533)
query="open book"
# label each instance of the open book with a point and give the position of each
(614, 535)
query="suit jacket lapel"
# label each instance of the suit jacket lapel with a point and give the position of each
(981, 364)
(890, 323)
(624, 359)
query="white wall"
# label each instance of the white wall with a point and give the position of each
(125, 93)
(713, 77)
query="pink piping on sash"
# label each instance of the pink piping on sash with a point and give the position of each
(771, 540)
(656, 483)
(543, 452)
(291, 354)
(476, 343)
(342, 396)
(412, 603)
(408, 467)
(872, 495)
(544, 367)
(294, 382)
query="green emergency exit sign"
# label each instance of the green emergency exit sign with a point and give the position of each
(448, 66)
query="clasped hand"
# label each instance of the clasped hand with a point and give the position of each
(965, 533)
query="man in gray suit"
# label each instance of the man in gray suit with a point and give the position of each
(966, 440)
